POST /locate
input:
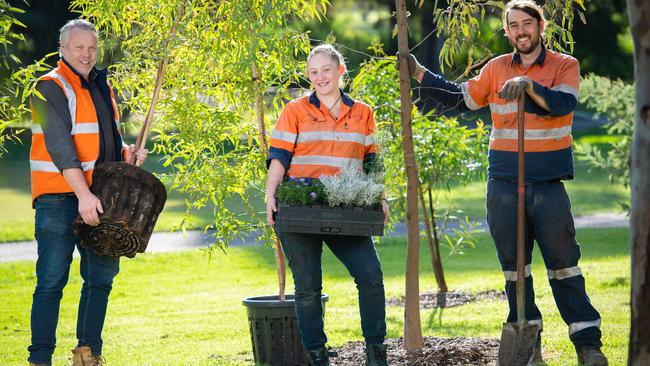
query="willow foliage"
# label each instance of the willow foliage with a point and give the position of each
(206, 125)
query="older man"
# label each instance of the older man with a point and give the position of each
(75, 127)
(550, 81)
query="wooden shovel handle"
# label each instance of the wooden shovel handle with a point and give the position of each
(521, 212)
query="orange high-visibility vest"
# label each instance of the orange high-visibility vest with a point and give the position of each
(45, 176)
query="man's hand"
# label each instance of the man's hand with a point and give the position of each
(514, 87)
(140, 155)
(89, 208)
(415, 69)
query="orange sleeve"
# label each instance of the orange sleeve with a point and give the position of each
(286, 130)
(477, 90)
(370, 143)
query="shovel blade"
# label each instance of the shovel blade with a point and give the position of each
(518, 341)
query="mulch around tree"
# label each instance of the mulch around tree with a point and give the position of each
(436, 352)
(430, 300)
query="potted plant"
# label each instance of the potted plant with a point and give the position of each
(348, 203)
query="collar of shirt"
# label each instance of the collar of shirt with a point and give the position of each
(94, 75)
(313, 99)
(516, 57)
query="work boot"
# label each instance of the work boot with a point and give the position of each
(83, 356)
(321, 357)
(376, 355)
(38, 364)
(589, 355)
(538, 358)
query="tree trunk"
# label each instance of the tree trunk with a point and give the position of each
(413, 341)
(261, 133)
(434, 244)
(639, 352)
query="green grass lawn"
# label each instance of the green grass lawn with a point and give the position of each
(183, 309)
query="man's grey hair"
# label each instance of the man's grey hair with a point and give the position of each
(64, 33)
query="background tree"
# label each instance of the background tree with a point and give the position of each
(15, 82)
(639, 13)
(614, 100)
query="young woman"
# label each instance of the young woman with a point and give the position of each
(318, 135)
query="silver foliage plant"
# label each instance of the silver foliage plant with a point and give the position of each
(353, 187)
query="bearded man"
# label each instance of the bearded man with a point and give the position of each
(550, 81)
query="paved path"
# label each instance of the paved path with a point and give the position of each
(173, 242)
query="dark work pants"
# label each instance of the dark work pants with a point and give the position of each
(548, 222)
(359, 256)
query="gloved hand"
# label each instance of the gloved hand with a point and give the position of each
(415, 69)
(513, 88)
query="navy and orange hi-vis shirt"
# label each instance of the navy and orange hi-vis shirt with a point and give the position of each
(556, 77)
(310, 143)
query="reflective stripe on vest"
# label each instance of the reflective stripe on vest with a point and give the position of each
(69, 93)
(75, 130)
(49, 167)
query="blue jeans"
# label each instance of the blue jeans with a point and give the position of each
(549, 222)
(55, 214)
(359, 256)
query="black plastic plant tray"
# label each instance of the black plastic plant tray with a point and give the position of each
(339, 220)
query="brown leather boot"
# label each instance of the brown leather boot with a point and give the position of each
(591, 356)
(83, 356)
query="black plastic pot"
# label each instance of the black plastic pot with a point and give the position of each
(274, 331)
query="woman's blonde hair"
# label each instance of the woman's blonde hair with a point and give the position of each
(329, 50)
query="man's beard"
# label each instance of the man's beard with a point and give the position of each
(534, 42)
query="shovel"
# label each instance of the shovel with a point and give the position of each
(518, 339)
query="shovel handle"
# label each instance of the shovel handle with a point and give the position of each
(521, 212)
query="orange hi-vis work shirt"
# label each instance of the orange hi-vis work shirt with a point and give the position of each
(46, 177)
(548, 140)
(310, 143)
(557, 71)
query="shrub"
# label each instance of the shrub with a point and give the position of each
(353, 187)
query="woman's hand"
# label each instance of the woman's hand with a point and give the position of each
(271, 208)
(276, 174)
(384, 208)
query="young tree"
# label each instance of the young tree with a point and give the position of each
(639, 351)
(447, 152)
(224, 55)
(413, 340)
